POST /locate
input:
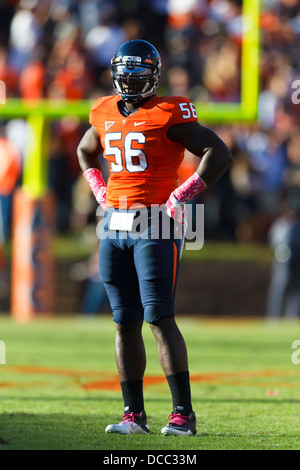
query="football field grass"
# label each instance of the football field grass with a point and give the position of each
(59, 386)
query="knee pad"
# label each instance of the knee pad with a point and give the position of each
(155, 312)
(125, 316)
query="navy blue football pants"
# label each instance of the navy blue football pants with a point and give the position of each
(139, 269)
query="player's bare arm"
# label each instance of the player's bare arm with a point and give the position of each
(88, 152)
(205, 144)
(89, 149)
(215, 159)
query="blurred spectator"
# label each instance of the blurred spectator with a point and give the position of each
(16, 131)
(94, 298)
(180, 33)
(10, 170)
(72, 81)
(66, 135)
(26, 31)
(267, 154)
(221, 75)
(273, 93)
(32, 77)
(8, 74)
(104, 39)
(292, 172)
(284, 291)
(178, 82)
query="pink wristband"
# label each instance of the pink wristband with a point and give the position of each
(97, 184)
(189, 188)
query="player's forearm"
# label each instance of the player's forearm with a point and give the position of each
(215, 161)
(206, 144)
(214, 154)
(87, 159)
(89, 149)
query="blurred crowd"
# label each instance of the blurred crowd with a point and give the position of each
(61, 49)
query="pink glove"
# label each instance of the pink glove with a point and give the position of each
(183, 193)
(97, 184)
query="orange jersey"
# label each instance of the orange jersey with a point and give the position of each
(143, 161)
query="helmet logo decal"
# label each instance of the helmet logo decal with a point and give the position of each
(132, 58)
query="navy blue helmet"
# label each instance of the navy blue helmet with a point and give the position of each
(135, 70)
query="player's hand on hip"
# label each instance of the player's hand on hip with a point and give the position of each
(101, 197)
(175, 209)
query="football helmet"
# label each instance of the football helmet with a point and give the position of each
(135, 70)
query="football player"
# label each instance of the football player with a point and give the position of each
(144, 137)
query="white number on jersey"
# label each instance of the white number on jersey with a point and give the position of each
(188, 110)
(135, 159)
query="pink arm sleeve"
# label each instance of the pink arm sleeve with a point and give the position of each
(189, 188)
(97, 184)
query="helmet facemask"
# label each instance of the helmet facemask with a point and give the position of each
(134, 80)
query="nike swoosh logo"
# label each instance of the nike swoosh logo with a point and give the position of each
(139, 123)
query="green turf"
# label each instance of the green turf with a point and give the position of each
(73, 247)
(248, 396)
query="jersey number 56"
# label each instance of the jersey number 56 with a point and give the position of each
(135, 160)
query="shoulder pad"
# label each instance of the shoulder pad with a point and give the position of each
(102, 101)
